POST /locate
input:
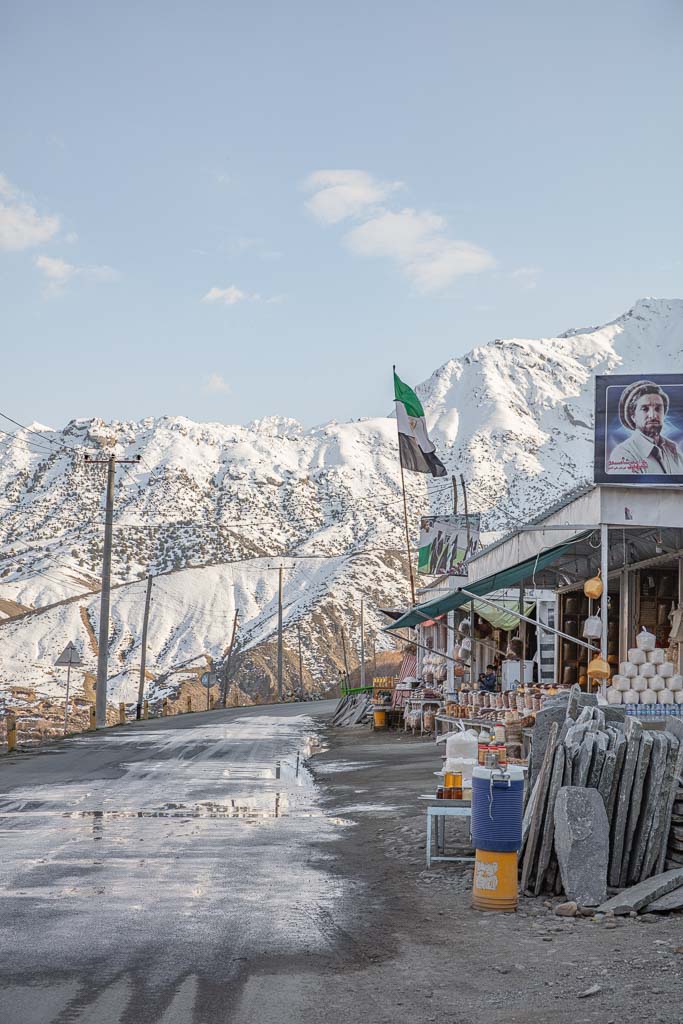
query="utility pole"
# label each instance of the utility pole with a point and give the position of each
(143, 655)
(346, 663)
(279, 635)
(226, 675)
(362, 643)
(301, 662)
(105, 597)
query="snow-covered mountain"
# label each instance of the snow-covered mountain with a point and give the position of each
(214, 509)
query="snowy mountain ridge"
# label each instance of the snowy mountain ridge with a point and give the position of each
(218, 507)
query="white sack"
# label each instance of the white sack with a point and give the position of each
(646, 641)
(627, 669)
(648, 697)
(613, 695)
(665, 670)
(675, 684)
(666, 697)
(647, 671)
(657, 683)
(631, 697)
(636, 656)
(656, 657)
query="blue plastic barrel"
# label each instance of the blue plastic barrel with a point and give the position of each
(497, 810)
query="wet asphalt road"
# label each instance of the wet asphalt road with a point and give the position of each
(147, 872)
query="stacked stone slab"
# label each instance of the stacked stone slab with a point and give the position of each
(636, 772)
(674, 849)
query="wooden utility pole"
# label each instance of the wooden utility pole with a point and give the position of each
(346, 663)
(143, 654)
(362, 643)
(226, 676)
(105, 596)
(301, 662)
(279, 634)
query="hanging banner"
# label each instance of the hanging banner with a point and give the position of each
(444, 546)
(639, 429)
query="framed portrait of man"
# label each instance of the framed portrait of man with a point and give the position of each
(639, 429)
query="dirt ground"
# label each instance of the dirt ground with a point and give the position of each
(415, 950)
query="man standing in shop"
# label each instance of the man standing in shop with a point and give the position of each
(643, 407)
(489, 681)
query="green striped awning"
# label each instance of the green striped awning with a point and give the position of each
(502, 580)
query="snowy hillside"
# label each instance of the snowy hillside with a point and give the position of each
(217, 508)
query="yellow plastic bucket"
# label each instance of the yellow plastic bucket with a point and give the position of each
(379, 719)
(495, 881)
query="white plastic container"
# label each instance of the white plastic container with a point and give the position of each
(675, 684)
(647, 671)
(648, 697)
(621, 683)
(665, 670)
(636, 656)
(627, 669)
(639, 684)
(656, 657)
(630, 697)
(657, 683)
(666, 697)
(646, 641)
(614, 696)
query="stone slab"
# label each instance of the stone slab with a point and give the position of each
(582, 844)
(619, 755)
(642, 765)
(633, 732)
(546, 848)
(651, 796)
(676, 728)
(638, 896)
(607, 777)
(545, 719)
(537, 817)
(597, 763)
(661, 821)
(665, 904)
(583, 762)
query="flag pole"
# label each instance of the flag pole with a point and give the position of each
(405, 518)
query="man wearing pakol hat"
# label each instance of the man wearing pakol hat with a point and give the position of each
(642, 409)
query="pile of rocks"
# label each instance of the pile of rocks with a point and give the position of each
(602, 797)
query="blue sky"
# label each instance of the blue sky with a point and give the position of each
(228, 210)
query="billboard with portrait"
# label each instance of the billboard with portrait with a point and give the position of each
(639, 429)
(446, 542)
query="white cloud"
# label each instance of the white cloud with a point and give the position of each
(71, 238)
(58, 273)
(231, 295)
(216, 384)
(339, 194)
(21, 226)
(526, 277)
(417, 242)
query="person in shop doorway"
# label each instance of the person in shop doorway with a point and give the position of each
(489, 681)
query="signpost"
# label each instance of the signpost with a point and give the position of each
(209, 679)
(68, 657)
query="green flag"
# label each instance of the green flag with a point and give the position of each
(416, 450)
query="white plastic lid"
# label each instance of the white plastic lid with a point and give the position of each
(513, 771)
